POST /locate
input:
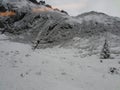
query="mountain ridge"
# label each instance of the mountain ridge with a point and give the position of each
(52, 27)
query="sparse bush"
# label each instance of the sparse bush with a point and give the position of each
(114, 70)
(105, 53)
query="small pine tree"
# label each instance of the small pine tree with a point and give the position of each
(105, 53)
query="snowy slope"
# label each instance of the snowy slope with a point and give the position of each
(73, 61)
(54, 69)
(98, 17)
(19, 3)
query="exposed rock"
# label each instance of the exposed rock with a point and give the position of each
(1, 24)
(2, 8)
(34, 1)
(64, 12)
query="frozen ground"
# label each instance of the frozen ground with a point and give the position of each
(21, 68)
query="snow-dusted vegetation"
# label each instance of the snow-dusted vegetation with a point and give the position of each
(54, 69)
(42, 48)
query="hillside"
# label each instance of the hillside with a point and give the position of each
(54, 69)
(43, 48)
(51, 27)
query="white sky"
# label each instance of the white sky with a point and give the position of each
(75, 7)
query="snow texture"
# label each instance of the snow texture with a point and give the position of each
(54, 69)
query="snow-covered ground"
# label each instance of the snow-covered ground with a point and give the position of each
(56, 68)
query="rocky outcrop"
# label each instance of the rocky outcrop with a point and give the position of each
(34, 1)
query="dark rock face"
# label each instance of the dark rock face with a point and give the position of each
(49, 6)
(34, 1)
(64, 12)
(42, 2)
(1, 25)
(2, 8)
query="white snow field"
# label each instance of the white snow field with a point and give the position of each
(56, 68)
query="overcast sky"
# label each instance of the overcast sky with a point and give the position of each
(75, 7)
